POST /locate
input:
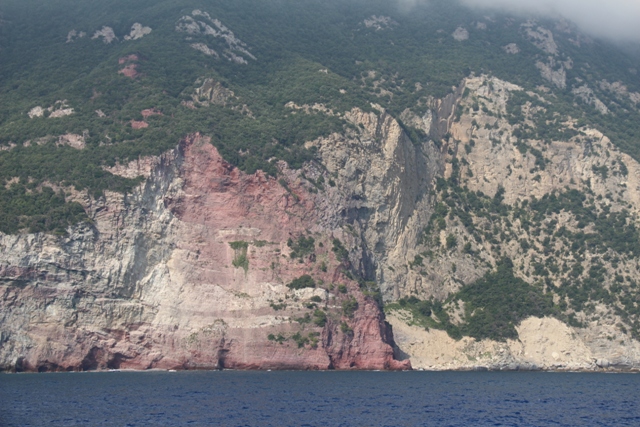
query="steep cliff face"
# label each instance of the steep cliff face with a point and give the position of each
(383, 193)
(506, 193)
(484, 212)
(190, 271)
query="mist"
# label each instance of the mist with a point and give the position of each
(617, 20)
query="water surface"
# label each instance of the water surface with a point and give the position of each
(319, 399)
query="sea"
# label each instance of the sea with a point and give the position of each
(281, 398)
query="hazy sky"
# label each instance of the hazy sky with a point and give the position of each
(614, 19)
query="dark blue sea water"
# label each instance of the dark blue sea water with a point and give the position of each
(319, 399)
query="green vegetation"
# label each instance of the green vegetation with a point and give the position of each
(278, 306)
(240, 260)
(304, 281)
(372, 290)
(323, 266)
(239, 245)
(452, 241)
(277, 338)
(581, 262)
(37, 211)
(499, 301)
(342, 254)
(302, 247)
(320, 52)
(319, 318)
(426, 314)
(345, 328)
(310, 52)
(349, 307)
(493, 306)
(310, 339)
(613, 230)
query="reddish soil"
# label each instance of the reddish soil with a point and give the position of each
(139, 124)
(151, 112)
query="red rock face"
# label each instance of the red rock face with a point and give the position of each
(129, 71)
(219, 197)
(182, 295)
(128, 58)
(139, 124)
(150, 112)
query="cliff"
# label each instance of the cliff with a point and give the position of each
(504, 196)
(444, 186)
(189, 271)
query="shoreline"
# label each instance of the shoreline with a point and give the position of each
(419, 370)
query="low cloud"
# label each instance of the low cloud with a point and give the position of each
(618, 20)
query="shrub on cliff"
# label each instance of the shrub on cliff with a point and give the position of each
(320, 318)
(239, 245)
(342, 254)
(344, 327)
(277, 338)
(302, 340)
(349, 307)
(240, 259)
(302, 282)
(302, 247)
(452, 241)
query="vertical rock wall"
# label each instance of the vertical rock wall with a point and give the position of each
(156, 281)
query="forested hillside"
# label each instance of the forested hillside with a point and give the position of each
(336, 53)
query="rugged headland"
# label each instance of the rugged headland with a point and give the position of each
(438, 190)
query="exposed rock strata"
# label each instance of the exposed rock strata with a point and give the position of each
(150, 284)
(130, 63)
(483, 141)
(553, 72)
(543, 344)
(541, 38)
(383, 193)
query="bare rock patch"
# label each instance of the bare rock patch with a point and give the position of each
(137, 32)
(106, 33)
(461, 34)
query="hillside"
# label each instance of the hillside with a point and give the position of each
(256, 184)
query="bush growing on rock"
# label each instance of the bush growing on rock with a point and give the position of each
(277, 338)
(342, 254)
(452, 241)
(344, 327)
(320, 318)
(240, 260)
(349, 307)
(302, 247)
(302, 282)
